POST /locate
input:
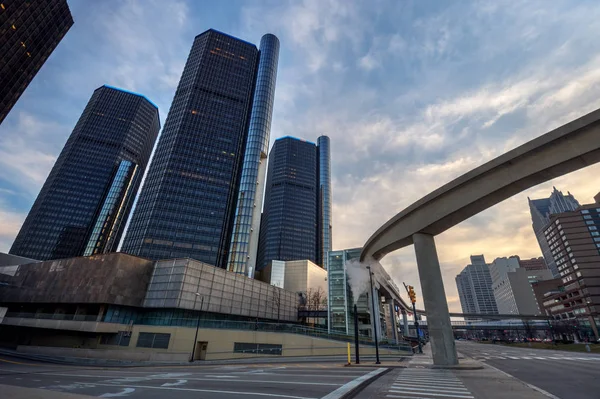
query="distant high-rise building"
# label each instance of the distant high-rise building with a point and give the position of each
(541, 209)
(292, 226)
(574, 239)
(210, 148)
(85, 201)
(29, 32)
(511, 285)
(533, 264)
(474, 284)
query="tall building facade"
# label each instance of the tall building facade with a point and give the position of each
(511, 284)
(85, 201)
(533, 264)
(29, 32)
(474, 284)
(325, 239)
(244, 242)
(541, 209)
(188, 203)
(574, 239)
(292, 224)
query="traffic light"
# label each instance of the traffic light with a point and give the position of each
(411, 294)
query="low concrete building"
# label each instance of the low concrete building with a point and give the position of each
(107, 301)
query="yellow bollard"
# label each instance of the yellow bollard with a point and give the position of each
(348, 353)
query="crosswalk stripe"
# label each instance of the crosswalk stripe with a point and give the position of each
(453, 387)
(427, 389)
(406, 397)
(449, 383)
(438, 394)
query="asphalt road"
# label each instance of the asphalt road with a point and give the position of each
(563, 374)
(292, 381)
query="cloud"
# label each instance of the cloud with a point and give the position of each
(412, 95)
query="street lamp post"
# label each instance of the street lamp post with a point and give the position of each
(356, 334)
(197, 324)
(374, 319)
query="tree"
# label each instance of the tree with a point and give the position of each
(316, 300)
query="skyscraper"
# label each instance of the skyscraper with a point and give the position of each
(188, 203)
(325, 239)
(474, 286)
(244, 242)
(292, 224)
(85, 201)
(541, 209)
(574, 239)
(29, 32)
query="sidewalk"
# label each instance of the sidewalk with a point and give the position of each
(418, 378)
(421, 360)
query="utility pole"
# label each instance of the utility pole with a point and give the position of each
(374, 319)
(413, 298)
(356, 334)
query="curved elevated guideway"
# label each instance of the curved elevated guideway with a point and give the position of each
(568, 148)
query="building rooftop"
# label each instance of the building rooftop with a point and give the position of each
(131, 92)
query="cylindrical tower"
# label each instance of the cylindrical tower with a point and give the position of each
(325, 237)
(244, 240)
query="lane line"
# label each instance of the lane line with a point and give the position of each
(272, 395)
(155, 378)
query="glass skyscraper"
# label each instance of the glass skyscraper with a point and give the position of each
(325, 237)
(244, 242)
(188, 203)
(541, 209)
(29, 32)
(85, 201)
(293, 222)
(474, 285)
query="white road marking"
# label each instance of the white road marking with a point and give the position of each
(272, 395)
(427, 388)
(127, 380)
(438, 394)
(221, 376)
(125, 392)
(174, 384)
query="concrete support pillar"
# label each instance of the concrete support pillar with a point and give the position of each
(434, 298)
(393, 320)
(405, 323)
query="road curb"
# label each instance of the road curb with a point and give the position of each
(351, 389)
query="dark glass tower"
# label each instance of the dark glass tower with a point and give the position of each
(29, 32)
(292, 222)
(188, 202)
(84, 204)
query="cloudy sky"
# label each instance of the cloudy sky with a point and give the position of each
(412, 94)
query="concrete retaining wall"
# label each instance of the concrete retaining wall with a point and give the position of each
(220, 346)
